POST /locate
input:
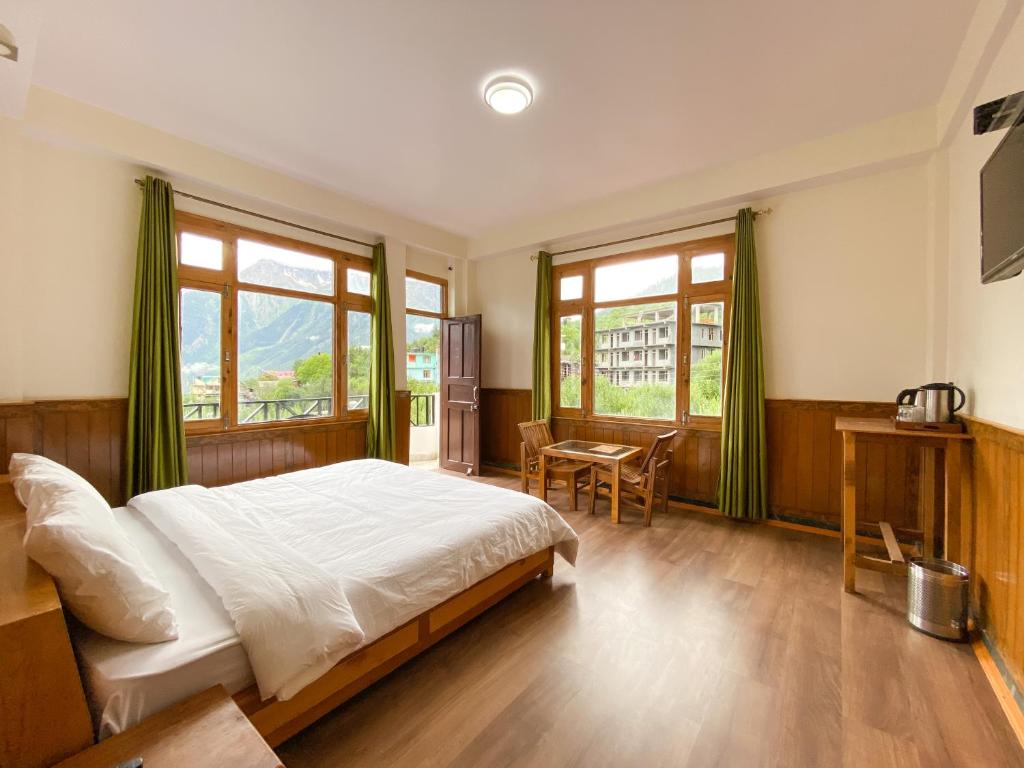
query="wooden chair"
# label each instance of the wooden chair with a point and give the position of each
(639, 485)
(536, 435)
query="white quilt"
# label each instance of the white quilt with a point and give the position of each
(287, 554)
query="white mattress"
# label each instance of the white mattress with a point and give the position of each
(127, 682)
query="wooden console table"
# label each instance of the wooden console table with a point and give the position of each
(857, 431)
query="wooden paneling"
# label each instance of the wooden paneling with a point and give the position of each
(231, 457)
(88, 436)
(997, 540)
(804, 457)
(85, 435)
(501, 413)
(805, 472)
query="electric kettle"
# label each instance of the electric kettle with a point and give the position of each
(937, 400)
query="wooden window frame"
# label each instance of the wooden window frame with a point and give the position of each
(424, 277)
(225, 281)
(686, 294)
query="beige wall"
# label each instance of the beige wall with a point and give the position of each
(985, 354)
(842, 293)
(69, 217)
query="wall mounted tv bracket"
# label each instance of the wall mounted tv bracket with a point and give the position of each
(1001, 113)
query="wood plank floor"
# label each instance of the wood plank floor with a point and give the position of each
(697, 642)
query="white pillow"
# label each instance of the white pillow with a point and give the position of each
(71, 532)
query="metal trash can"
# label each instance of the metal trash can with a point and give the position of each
(937, 597)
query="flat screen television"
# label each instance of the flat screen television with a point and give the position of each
(1002, 208)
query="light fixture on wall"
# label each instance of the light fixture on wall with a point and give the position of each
(8, 50)
(508, 94)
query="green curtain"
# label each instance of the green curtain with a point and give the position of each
(381, 433)
(542, 339)
(155, 444)
(742, 485)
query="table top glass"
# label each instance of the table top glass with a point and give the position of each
(598, 450)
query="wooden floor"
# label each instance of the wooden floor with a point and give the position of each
(697, 642)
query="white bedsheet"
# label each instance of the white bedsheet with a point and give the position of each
(127, 682)
(397, 541)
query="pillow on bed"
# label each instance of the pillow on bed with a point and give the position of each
(72, 533)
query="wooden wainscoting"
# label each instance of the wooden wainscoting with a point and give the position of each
(231, 457)
(998, 543)
(88, 436)
(805, 471)
(501, 413)
(85, 435)
(804, 457)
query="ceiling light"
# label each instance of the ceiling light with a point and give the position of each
(508, 94)
(8, 50)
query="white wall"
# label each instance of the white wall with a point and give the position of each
(842, 290)
(985, 351)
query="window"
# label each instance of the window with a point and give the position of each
(426, 302)
(652, 328)
(262, 323)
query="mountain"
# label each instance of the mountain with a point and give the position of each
(274, 332)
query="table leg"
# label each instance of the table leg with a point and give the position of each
(849, 511)
(951, 533)
(543, 477)
(615, 493)
(928, 484)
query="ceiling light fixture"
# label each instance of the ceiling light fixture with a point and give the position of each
(508, 94)
(8, 50)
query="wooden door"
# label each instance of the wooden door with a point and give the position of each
(460, 394)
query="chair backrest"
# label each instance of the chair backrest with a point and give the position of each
(657, 450)
(536, 434)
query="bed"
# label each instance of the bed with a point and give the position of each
(416, 555)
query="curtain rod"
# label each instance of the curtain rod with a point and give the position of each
(762, 212)
(263, 216)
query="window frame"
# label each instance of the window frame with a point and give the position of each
(225, 281)
(687, 293)
(443, 283)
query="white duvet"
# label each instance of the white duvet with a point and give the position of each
(313, 564)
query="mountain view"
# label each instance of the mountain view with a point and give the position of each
(274, 332)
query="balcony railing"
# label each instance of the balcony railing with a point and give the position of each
(256, 411)
(421, 410)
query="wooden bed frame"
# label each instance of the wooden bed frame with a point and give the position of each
(43, 712)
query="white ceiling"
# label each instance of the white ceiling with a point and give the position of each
(381, 100)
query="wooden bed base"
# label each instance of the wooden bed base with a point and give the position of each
(280, 720)
(43, 711)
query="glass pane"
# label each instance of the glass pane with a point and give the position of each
(200, 251)
(706, 326)
(571, 287)
(422, 295)
(635, 279)
(358, 360)
(635, 360)
(358, 281)
(200, 354)
(570, 361)
(707, 268)
(262, 264)
(285, 358)
(422, 343)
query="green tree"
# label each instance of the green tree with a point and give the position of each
(430, 343)
(706, 386)
(315, 375)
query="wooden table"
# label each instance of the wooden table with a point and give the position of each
(206, 731)
(858, 431)
(608, 454)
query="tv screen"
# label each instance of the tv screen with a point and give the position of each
(1002, 209)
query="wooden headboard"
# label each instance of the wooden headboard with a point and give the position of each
(43, 713)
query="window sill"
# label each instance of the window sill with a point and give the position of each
(697, 424)
(201, 435)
